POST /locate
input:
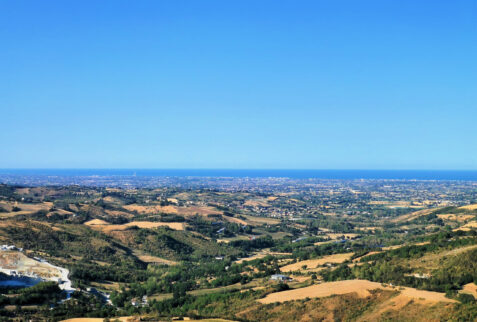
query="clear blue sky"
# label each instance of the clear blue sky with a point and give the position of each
(238, 84)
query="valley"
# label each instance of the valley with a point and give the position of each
(229, 253)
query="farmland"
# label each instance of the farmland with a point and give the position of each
(270, 247)
(361, 287)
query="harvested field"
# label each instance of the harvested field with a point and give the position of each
(106, 227)
(155, 260)
(413, 215)
(367, 228)
(256, 203)
(470, 225)
(118, 213)
(25, 208)
(456, 217)
(95, 222)
(314, 263)
(338, 236)
(122, 319)
(392, 247)
(186, 211)
(111, 199)
(109, 286)
(399, 246)
(361, 287)
(261, 255)
(236, 220)
(469, 207)
(324, 242)
(395, 204)
(150, 224)
(151, 209)
(470, 288)
(253, 220)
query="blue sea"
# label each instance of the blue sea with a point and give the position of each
(462, 175)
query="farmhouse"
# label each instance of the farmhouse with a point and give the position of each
(281, 278)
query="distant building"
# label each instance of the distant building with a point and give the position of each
(8, 247)
(281, 278)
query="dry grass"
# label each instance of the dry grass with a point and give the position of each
(186, 211)
(155, 260)
(357, 259)
(323, 242)
(254, 221)
(110, 286)
(469, 226)
(395, 204)
(431, 261)
(154, 209)
(173, 200)
(106, 227)
(469, 207)
(122, 319)
(96, 222)
(413, 215)
(261, 255)
(455, 217)
(367, 228)
(470, 288)
(235, 220)
(360, 287)
(150, 224)
(399, 246)
(314, 263)
(26, 208)
(338, 236)
(256, 203)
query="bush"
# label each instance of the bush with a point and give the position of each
(465, 298)
(281, 287)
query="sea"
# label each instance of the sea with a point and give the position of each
(460, 175)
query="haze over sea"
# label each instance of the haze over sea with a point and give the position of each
(464, 175)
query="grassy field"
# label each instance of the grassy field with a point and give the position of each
(469, 207)
(122, 319)
(412, 215)
(106, 227)
(315, 263)
(360, 287)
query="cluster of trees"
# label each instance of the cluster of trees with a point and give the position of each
(190, 276)
(42, 293)
(211, 229)
(85, 272)
(177, 245)
(438, 242)
(253, 244)
(210, 305)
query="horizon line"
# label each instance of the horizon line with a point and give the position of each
(249, 169)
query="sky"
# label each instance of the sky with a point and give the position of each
(238, 84)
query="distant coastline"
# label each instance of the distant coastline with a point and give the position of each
(461, 175)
